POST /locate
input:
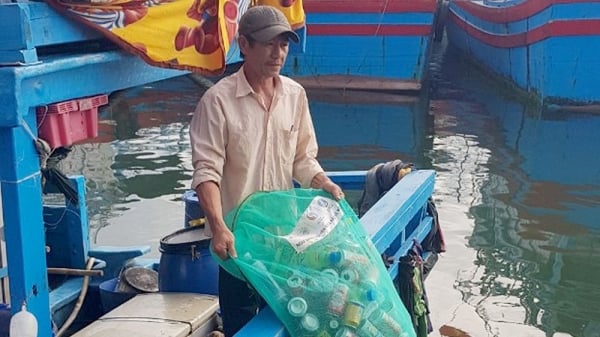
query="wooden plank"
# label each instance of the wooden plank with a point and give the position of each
(356, 82)
(397, 207)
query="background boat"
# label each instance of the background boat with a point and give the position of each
(548, 49)
(372, 44)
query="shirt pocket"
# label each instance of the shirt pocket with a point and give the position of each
(285, 144)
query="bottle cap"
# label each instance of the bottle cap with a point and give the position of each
(335, 257)
(310, 322)
(295, 281)
(330, 272)
(334, 324)
(349, 275)
(371, 295)
(297, 306)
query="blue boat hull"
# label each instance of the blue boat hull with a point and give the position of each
(365, 44)
(548, 49)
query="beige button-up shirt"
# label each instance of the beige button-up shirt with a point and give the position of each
(243, 147)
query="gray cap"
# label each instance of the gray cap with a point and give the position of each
(264, 23)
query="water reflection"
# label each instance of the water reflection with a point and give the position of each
(532, 185)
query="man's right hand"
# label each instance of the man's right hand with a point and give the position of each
(223, 244)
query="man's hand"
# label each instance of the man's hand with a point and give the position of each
(320, 180)
(223, 244)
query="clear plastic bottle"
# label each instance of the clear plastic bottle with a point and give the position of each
(386, 323)
(367, 329)
(23, 324)
(297, 306)
(309, 323)
(295, 284)
(338, 299)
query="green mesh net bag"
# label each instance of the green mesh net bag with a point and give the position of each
(309, 257)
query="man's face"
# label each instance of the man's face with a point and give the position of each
(265, 59)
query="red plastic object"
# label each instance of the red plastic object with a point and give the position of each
(64, 123)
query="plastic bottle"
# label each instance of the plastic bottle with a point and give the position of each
(353, 314)
(296, 284)
(349, 258)
(386, 322)
(367, 329)
(320, 259)
(297, 306)
(268, 280)
(309, 323)
(350, 275)
(337, 301)
(345, 332)
(23, 324)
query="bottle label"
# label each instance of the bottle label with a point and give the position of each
(353, 314)
(318, 220)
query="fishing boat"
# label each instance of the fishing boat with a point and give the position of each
(51, 269)
(373, 44)
(543, 48)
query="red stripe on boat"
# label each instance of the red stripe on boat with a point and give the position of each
(514, 13)
(551, 29)
(369, 6)
(369, 30)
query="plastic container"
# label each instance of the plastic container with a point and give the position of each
(193, 212)
(64, 123)
(110, 297)
(186, 264)
(4, 319)
(23, 324)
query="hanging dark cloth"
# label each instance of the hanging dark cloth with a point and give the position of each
(411, 289)
(434, 241)
(379, 180)
(49, 159)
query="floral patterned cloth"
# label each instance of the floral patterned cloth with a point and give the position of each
(192, 35)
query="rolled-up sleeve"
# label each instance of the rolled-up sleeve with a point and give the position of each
(306, 165)
(208, 134)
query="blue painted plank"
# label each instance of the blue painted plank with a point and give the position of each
(67, 231)
(348, 180)
(265, 324)
(419, 235)
(23, 224)
(377, 18)
(27, 25)
(397, 207)
(78, 75)
(65, 294)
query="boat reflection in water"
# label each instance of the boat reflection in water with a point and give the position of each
(529, 182)
(139, 166)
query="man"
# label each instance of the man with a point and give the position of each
(252, 131)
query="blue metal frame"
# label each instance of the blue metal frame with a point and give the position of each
(33, 80)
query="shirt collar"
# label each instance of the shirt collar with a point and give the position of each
(243, 88)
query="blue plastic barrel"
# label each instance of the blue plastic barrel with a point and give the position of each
(111, 297)
(186, 264)
(4, 319)
(192, 207)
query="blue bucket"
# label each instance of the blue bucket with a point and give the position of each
(192, 207)
(4, 319)
(110, 296)
(186, 264)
